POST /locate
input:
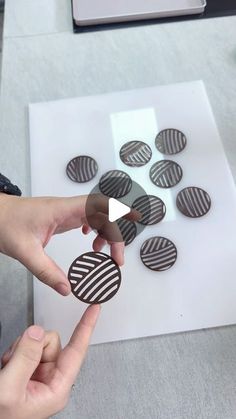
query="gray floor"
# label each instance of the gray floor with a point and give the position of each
(1, 23)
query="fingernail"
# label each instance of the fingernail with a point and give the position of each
(62, 288)
(35, 332)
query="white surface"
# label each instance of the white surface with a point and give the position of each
(27, 17)
(116, 209)
(88, 12)
(200, 290)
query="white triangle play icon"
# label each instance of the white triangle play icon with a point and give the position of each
(116, 210)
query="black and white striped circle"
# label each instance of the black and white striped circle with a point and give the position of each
(82, 169)
(95, 277)
(151, 207)
(135, 153)
(115, 184)
(170, 141)
(128, 230)
(166, 173)
(158, 253)
(193, 202)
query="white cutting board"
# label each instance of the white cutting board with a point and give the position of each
(199, 291)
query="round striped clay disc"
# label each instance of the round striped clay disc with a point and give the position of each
(151, 207)
(95, 277)
(128, 230)
(165, 173)
(135, 153)
(115, 184)
(170, 141)
(82, 169)
(193, 202)
(158, 253)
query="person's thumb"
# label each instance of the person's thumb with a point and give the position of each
(46, 270)
(25, 359)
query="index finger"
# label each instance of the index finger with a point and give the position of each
(72, 356)
(117, 252)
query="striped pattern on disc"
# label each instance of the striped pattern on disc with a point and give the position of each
(115, 184)
(165, 173)
(82, 169)
(135, 153)
(193, 202)
(95, 277)
(158, 253)
(151, 207)
(128, 230)
(170, 141)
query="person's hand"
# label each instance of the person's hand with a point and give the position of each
(27, 224)
(37, 375)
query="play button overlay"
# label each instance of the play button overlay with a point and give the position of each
(116, 210)
(113, 217)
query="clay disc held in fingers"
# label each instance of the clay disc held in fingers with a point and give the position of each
(94, 277)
